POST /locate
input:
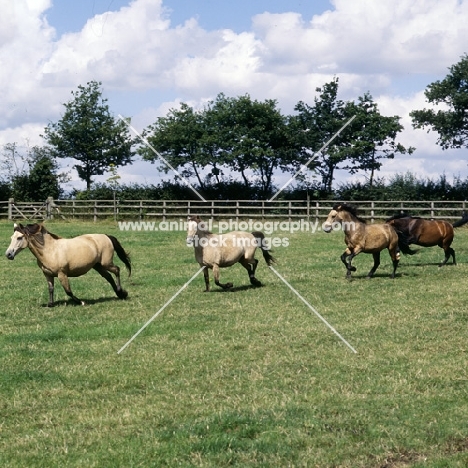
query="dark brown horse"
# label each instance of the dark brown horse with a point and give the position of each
(362, 237)
(427, 232)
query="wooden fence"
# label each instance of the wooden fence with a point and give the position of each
(219, 209)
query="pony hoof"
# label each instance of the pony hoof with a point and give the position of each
(83, 303)
(353, 268)
(255, 282)
(50, 304)
(228, 285)
(122, 294)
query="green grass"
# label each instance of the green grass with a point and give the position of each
(248, 377)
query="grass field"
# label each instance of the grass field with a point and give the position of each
(248, 377)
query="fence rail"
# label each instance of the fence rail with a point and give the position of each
(219, 209)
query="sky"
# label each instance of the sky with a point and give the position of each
(151, 55)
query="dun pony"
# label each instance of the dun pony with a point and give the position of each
(63, 258)
(215, 251)
(362, 237)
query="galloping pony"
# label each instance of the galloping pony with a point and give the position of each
(215, 251)
(362, 237)
(427, 232)
(63, 258)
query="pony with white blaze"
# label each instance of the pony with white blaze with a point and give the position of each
(63, 258)
(215, 251)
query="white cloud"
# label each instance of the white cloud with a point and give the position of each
(371, 46)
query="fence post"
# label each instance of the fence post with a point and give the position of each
(164, 210)
(11, 202)
(95, 216)
(432, 210)
(237, 211)
(317, 211)
(372, 212)
(49, 207)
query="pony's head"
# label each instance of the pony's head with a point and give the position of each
(20, 239)
(195, 227)
(192, 227)
(339, 213)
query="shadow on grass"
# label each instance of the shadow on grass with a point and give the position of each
(87, 302)
(245, 287)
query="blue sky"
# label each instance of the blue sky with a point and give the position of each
(69, 16)
(151, 55)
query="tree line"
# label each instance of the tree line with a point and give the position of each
(234, 146)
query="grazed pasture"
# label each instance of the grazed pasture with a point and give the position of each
(248, 377)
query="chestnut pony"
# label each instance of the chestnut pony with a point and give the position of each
(62, 258)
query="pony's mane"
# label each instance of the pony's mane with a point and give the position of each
(350, 209)
(35, 232)
(402, 215)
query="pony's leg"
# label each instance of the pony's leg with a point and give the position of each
(121, 293)
(448, 252)
(251, 270)
(346, 258)
(376, 256)
(50, 284)
(207, 278)
(66, 286)
(216, 278)
(395, 266)
(395, 256)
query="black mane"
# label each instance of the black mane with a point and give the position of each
(350, 209)
(402, 215)
(35, 231)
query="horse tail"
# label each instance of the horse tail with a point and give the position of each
(403, 244)
(462, 221)
(122, 254)
(260, 237)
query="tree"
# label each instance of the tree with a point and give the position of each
(178, 138)
(236, 134)
(361, 146)
(252, 135)
(373, 138)
(32, 175)
(317, 124)
(89, 134)
(451, 122)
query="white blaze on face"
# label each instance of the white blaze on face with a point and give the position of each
(17, 244)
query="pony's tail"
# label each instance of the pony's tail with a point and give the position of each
(269, 259)
(462, 221)
(404, 245)
(120, 251)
